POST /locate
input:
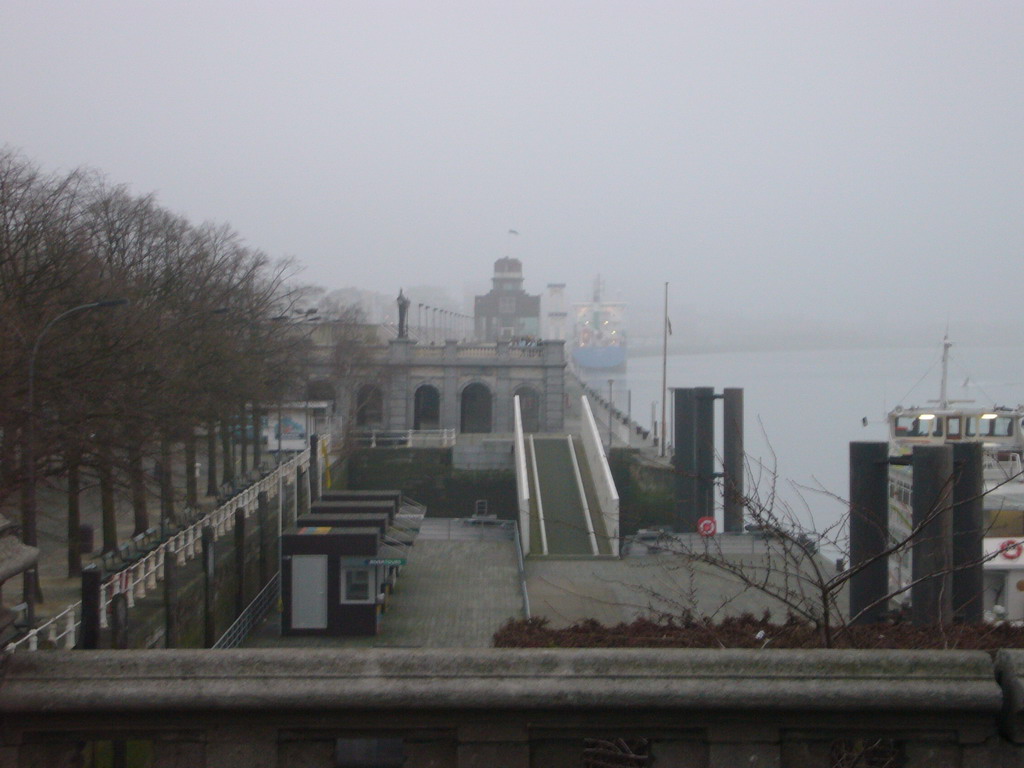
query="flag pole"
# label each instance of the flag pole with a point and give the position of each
(664, 371)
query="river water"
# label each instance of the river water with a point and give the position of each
(802, 408)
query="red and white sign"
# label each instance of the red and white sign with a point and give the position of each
(706, 526)
(1011, 549)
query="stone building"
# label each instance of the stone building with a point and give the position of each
(507, 311)
(468, 388)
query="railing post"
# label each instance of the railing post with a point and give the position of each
(209, 584)
(104, 602)
(170, 604)
(239, 562)
(140, 580)
(92, 608)
(69, 630)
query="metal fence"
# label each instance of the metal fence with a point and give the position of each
(136, 580)
(252, 615)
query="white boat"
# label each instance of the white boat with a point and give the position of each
(1001, 431)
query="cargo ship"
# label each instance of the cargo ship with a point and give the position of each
(599, 340)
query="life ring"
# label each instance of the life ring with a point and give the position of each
(1011, 549)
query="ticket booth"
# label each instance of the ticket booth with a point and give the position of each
(330, 580)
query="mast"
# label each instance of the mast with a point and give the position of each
(946, 344)
(664, 369)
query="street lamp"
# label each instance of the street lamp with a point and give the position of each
(28, 513)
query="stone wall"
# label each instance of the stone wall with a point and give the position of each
(646, 490)
(515, 708)
(427, 476)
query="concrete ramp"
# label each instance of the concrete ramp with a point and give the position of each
(568, 505)
(567, 524)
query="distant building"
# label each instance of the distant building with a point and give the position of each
(507, 312)
(554, 320)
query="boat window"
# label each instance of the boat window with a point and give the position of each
(1001, 426)
(972, 426)
(908, 426)
(953, 427)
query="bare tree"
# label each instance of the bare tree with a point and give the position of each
(790, 568)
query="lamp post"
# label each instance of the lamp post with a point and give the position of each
(28, 513)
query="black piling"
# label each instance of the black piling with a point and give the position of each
(705, 451)
(732, 460)
(968, 532)
(209, 585)
(932, 593)
(239, 561)
(685, 460)
(89, 630)
(869, 531)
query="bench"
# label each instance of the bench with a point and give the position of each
(131, 551)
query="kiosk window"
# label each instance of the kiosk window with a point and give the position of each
(357, 585)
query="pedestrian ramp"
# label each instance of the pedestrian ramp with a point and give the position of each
(568, 504)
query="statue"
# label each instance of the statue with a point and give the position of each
(403, 310)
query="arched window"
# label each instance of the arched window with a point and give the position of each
(369, 406)
(426, 408)
(475, 409)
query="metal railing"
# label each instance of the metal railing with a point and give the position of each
(522, 569)
(138, 579)
(251, 616)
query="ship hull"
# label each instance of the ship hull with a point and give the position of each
(612, 359)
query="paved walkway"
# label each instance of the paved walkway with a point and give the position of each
(461, 583)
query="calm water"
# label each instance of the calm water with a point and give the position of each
(805, 407)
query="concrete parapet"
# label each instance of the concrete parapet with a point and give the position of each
(531, 707)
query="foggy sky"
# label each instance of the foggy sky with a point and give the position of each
(830, 161)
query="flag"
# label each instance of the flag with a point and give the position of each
(668, 325)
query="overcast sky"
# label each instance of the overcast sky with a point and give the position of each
(823, 160)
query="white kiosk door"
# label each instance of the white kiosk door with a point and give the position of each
(309, 591)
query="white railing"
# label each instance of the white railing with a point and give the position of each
(522, 478)
(142, 577)
(583, 497)
(405, 438)
(604, 485)
(1004, 468)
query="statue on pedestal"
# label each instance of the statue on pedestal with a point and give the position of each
(403, 311)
